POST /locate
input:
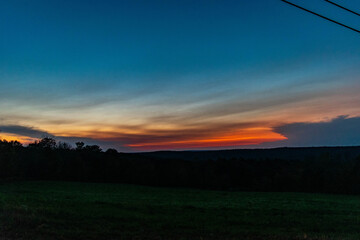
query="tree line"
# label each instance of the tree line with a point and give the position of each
(47, 159)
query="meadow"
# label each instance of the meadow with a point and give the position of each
(72, 210)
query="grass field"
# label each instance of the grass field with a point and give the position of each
(62, 210)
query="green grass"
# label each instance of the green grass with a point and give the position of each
(64, 210)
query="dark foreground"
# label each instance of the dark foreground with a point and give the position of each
(64, 210)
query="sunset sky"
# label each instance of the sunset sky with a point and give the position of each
(152, 75)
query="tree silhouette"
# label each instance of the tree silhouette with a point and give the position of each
(79, 145)
(45, 143)
(92, 148)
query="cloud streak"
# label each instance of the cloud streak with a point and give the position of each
(24, 131)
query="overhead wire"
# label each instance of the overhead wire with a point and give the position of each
(319, 15)
(346, 9)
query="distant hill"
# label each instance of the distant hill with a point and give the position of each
(285, 153)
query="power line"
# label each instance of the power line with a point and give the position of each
(326, 18)
(349, 10)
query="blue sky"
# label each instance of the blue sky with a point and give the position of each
(140, 74)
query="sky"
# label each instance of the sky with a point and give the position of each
(179, 75)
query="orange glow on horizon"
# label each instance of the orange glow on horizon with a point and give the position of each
(14, 137)
(241, 137)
